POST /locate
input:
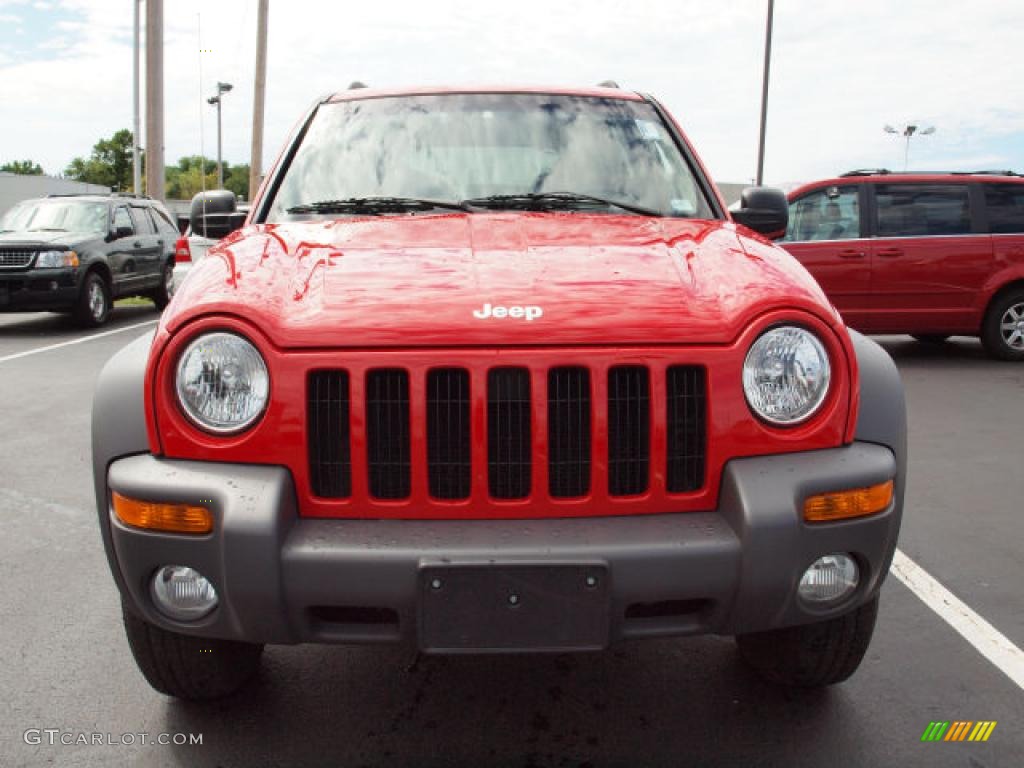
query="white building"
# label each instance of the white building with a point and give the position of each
(14, 188)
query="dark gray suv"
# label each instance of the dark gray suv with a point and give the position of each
(78, 253)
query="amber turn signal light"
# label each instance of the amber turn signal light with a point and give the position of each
(840, 505)
(171, 518)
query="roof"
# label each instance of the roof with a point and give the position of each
(378, 93)
(882, 176)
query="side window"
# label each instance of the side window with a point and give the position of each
(909, 210)
(830, 213)
(122, 220)
(1005, 204)
(163, 222)
(143, 224)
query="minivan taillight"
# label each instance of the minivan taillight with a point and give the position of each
(182, 253)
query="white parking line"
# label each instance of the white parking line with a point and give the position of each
(81, 340)
(989, 641)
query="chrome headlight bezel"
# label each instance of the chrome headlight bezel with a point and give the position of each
(817, 359)
(55, 259)
(246, 353)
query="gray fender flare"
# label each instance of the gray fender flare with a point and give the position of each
(118, 426)
(882, 418)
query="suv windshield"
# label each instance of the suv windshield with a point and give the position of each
(56, 216)
(490, 150)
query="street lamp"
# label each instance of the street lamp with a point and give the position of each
(222, 88)
(908, 131)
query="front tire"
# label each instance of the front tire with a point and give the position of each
(163, 294)
(1002, 332)
(94, 304)
(812, 655)
(187, 667)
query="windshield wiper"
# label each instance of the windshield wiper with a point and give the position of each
(546, 201)
(375, 205)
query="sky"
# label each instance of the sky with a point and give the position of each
(840, 71)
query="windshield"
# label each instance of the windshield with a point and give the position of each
(467, 147)
(56, 216)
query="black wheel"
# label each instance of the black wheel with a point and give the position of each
(93, 306)
(931, 338)
(187, 667)
(162, 295)
(812, 655)
(1002, 332)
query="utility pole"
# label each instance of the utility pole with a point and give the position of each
(136, 136)
(259, 97)
(155, 98)
(764, 91)
(222, 88)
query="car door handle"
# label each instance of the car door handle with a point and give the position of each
(136, 244)
(850, 253)
(890, 253)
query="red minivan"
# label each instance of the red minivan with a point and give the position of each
(929, 254)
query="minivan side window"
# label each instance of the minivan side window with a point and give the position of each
(1005, 204)
(910, 210)
(831, 213)
(143, 224)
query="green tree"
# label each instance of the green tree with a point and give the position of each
(185, 179)
(23, 168)
(238, 180)
(110, 163)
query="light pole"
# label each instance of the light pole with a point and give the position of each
(222, 88)
(908, 131)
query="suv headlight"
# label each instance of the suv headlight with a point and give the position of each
(786, 375)
(222, 382)
(53, 259)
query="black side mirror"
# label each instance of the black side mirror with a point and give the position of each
(123, 232)
(764, 210)
(215, 214)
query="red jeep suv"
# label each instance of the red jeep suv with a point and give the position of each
(495, 371)
(929, 254)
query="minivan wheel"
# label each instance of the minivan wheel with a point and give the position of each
(93, 306)
(1002, 333)
(162, 295)
(931, 338)
(812, 655)
(187, 667)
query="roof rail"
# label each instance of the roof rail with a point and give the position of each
(356, 84)
(886, 172)
(608, 84)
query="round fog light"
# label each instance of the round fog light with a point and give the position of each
(182, 593)
(829, 579)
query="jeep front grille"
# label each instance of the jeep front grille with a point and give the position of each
(15, 259)
(387, 433)
(509, 446)
(448, 433)
(508, 434)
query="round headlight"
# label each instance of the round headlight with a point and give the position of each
(222, 382)
(786, 375)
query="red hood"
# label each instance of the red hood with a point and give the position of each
(416, 280)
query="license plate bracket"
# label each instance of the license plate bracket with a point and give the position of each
(477, 607)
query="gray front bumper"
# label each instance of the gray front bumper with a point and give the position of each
(285, 579)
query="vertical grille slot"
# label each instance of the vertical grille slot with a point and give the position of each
(629, 430)
(327, 427)
(568, 432)
(448, 440)
(509, 445)
(686, 424)
(387, 433)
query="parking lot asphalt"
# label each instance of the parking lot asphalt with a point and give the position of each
(669, 702)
